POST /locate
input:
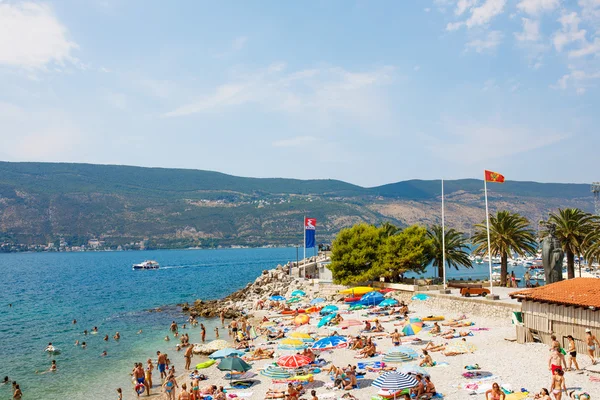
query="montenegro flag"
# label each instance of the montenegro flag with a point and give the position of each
(493, 177)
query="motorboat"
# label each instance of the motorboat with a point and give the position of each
(148, 264)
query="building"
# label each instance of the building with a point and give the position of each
(563, 308)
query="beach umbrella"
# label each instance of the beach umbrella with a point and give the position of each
(395, 381)
(460, 346)
(305, 337)
(371, 299)
(357, 291)
(317, 300)
(293, 300)
(416, 320)
(326, 319)
(397, 358)
(414, 370)
(226, 353)
(298, 293)
(268, 323)
(293, 361)
(412, 329)
(275, 372)
(420, 296)
(388, 303)
(277, 298)
(328, 309)
(403, 349)
(330, 342)
(349, 322)
(301, 319)
(217, 345)
(240, 377)
(292, 344)
(234, 364)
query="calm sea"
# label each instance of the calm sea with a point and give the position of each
(49, 290)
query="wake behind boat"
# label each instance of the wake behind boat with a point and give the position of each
(148, 264)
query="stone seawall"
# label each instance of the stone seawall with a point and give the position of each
(460, 305)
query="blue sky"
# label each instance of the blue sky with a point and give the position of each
(367, 92)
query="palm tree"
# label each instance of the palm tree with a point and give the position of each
(388, 229)
(456, 246)
(509, 233)
(592, 244)
(572, 227)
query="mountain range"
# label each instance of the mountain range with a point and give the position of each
(174, 208)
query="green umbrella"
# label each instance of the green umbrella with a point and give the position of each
(234, 364)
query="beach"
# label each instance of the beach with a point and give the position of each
(513, 366)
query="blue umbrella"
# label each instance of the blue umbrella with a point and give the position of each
(326, 319)
(371, 299)
(403, 349)
(234, 364)
(226, 353)
(317, 300)
(388, 303)
(296, 293)
(420, 296)
(277, 298)
(395, 381)
(329, 309)
(330, 342)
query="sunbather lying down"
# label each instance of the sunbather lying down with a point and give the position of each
(260, 354)
(455, 335)
(459, 324)
(275, 394)
(435, 347)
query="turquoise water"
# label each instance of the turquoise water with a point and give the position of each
(49, 290)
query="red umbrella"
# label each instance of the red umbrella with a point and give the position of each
(293, 361)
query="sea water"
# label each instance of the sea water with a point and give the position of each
(50, 290)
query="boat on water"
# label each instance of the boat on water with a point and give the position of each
(148, 264)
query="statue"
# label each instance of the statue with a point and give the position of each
(552, 255)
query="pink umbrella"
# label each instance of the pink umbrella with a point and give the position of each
(349, 322)
(293, 361)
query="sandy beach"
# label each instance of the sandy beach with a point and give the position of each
(502, 360)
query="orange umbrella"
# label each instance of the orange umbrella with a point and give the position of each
(301, 319)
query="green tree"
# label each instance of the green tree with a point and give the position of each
(354, 253)
(592, 244)
(572, 227)
(456, 249)
(407, 250)
(509, 233)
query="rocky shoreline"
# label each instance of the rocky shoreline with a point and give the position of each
(271, 282)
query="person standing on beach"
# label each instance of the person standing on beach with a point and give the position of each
(203, 333)
(572, 350)
(188, 356)
(149, 369)
(162, 364)
(557, 386)
(395, 338)
(170, 385)
(222, 316)
(527, 278)
(140, 377)
(592, 342)
(556, 361)
(216, 332)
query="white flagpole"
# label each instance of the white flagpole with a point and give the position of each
(304, 228)
(487, 221)
(443, 238)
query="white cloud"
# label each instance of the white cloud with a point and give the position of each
(313, 91)
(32, 37)
(590, 10)
(531, 31)
(586, 49)
(535, 7)
(485, 13)
(569, 32)
(464, 5)
(487, 44)
(239, 43)
(577, 79)
(477, 137)
(480, 16)
(295, 142)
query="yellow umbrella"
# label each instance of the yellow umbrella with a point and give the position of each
(359, 290)
(292, 342)
(300, 335)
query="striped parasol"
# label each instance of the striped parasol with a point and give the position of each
(293, 361)
(395, 381)
(275, 372)
(292, 344)
(397, 358)
(404, 349)
(305, 337)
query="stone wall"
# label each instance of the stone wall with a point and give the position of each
(460, 305)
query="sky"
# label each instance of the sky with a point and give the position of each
(369, 92)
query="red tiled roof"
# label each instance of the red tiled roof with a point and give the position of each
(579, 292)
